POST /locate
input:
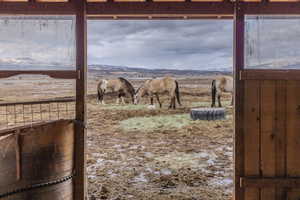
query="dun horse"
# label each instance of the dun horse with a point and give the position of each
(156, 87)
(119, 85)
(219, 86)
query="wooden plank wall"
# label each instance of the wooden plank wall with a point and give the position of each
(252, 135)
(272, 135)
(293, 135)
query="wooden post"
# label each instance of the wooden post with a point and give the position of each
(238, 60)
(81, 81)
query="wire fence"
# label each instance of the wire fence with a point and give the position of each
(26, 113)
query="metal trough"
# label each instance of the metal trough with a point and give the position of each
(37, 161)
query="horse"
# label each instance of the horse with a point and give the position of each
(156, 87)
(220, 85)
(120, 85)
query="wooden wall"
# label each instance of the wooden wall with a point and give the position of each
(271, 139)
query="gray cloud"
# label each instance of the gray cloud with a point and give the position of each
(192, 44)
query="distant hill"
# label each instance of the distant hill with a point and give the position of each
(101, 70)
(141, 72)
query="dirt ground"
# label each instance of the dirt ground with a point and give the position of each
(139, 153)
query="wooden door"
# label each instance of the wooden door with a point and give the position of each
(271, 130)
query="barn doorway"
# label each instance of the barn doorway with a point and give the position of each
(142, 152)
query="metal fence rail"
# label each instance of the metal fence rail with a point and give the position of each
(29, 112)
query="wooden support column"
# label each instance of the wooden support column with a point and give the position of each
(80, 184)
(238, 60)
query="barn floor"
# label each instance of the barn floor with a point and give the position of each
(167, 157)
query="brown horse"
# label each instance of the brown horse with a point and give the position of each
(119, 85)
(156, 87)
(219, 86)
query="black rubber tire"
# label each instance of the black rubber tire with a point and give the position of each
(208, 113)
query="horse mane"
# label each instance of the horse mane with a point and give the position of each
(137, 90)
(223, 80)
(128, 84)
(100, 83)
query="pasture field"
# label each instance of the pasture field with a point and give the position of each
(147, 154)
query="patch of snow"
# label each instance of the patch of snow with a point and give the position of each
(165, 171)
(149, 155)
(221, 182)
(151, 107)
(140, 178)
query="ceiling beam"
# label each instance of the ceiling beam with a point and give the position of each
(151, 10)
(158, 9)
(271, 8)
(36, 8)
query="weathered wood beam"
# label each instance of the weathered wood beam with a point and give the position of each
(58, 100)
(270, 182)
(61, 74)
(269, 74)
(157, 16)
(215, 10)
(271, 8)
(159, 8)
(80, 182)
(238, 65)
(37, 8)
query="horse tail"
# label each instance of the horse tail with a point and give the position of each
(99, 91)
(213, 93)
(177, 93)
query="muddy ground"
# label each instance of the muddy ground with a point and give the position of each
(139, 153)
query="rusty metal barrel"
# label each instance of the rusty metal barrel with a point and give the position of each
(37, 162)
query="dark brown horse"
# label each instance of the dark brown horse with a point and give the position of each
(119, 85)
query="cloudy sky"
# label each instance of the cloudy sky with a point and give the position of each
(177, 44)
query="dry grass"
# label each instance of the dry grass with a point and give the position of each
(162, 122)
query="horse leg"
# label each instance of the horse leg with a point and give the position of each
(102, 100)
(132, 98)
(123, 101)
(118, 99)
(219, 100)
(157, 97)
(174, 102)
(151, 100)
(213, 98)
